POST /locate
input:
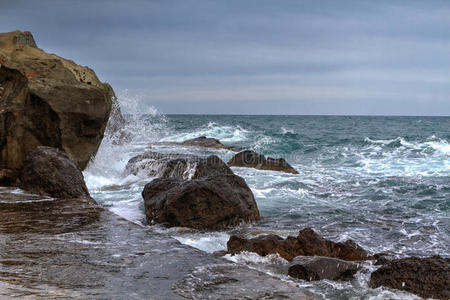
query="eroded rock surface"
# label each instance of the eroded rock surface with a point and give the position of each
(313, 268)
(185, 166)
(50, 172)
(427, 277)
(211, 202)
(307, 243)
(251, 159)
(46, 100)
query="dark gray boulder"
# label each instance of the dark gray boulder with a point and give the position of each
(313, 268)
(251, 159)
(50, 172)
(211, 202)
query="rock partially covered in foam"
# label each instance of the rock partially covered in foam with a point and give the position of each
(307, 243)
(312, 268)
(184, 166)
(211, 202)
(205, 142)
(251, 159)
(427, 277)
(50, 172)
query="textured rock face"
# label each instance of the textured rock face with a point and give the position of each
(307, 243)
(185, 166)
(251, 159)
(205, 203)
(313, 268)
(46, 100)
(50, 172)
(427, 277)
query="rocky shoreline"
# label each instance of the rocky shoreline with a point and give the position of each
(59, 243)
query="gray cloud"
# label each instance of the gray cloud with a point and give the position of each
(255, 56)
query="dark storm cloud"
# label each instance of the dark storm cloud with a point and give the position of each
(287, 57)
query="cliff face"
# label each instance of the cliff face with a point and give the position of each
(46, 100)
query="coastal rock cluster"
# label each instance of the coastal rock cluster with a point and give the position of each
(307, 243)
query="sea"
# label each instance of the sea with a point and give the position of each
(382, 181)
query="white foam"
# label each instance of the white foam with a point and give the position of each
(224, 133)
(208, 242)
(246, 257)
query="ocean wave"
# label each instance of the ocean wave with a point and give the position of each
(224, 133)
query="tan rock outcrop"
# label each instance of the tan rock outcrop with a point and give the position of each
(46, 100)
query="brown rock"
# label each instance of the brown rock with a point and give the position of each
(204, 203)
(185, 166)
(50, 172)
(307, 243)
(313, 268)
(8, 177)
(251, 159)
(47, 100)
(427, 277)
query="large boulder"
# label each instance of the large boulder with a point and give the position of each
(427, 277)
(211, 202)
(251, 159)
(185, 166)
(311, 268)
(50, 172)
(307, 243)
(46, 100)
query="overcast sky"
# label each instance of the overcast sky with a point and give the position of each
(254, 56)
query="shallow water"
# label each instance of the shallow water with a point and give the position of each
(382, 181)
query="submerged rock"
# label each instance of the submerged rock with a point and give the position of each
(307, 243)
(46, 100)
(427, 277)
(202, 142)
(313, 268)
(185, 166)
(50, 172)
(251, 159)
(211, 202)
(205, 142)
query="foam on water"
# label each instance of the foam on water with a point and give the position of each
(224, 133)
(208, 242)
